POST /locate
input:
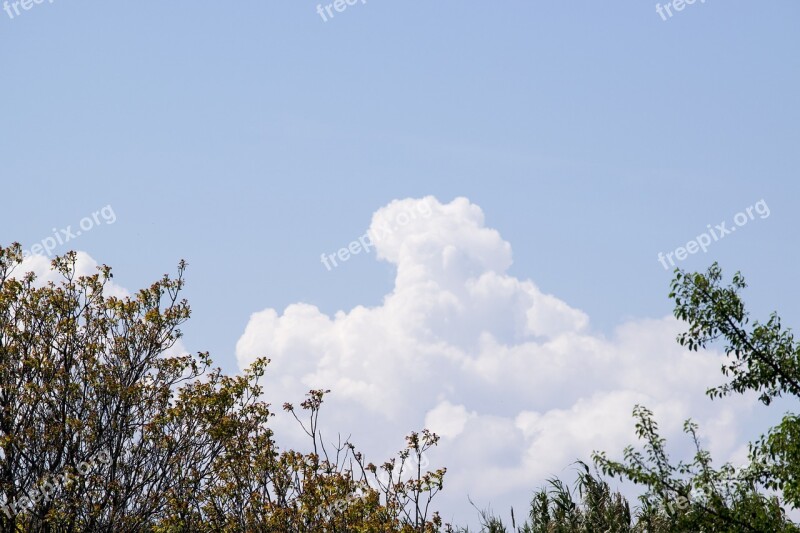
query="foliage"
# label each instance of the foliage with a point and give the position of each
(588, 508)
(184, 447)
(103, 428)
(693, 495)
(763, 358)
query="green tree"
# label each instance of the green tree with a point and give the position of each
(590, 507)
(761, 357)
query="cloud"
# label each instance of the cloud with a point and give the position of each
(511, 377)
(85, 265)
(447, 420)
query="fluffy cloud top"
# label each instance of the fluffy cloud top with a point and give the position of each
(85, 265)
(512, 378)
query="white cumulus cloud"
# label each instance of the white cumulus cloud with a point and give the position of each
(511, 377)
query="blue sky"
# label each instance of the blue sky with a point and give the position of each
(249, 138)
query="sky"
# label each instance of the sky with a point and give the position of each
(519, 165)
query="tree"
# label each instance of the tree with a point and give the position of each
(590, 507)
(692, 495)
(762, 357)
(102, 430)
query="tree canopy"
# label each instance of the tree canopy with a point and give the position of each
(103, 427)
